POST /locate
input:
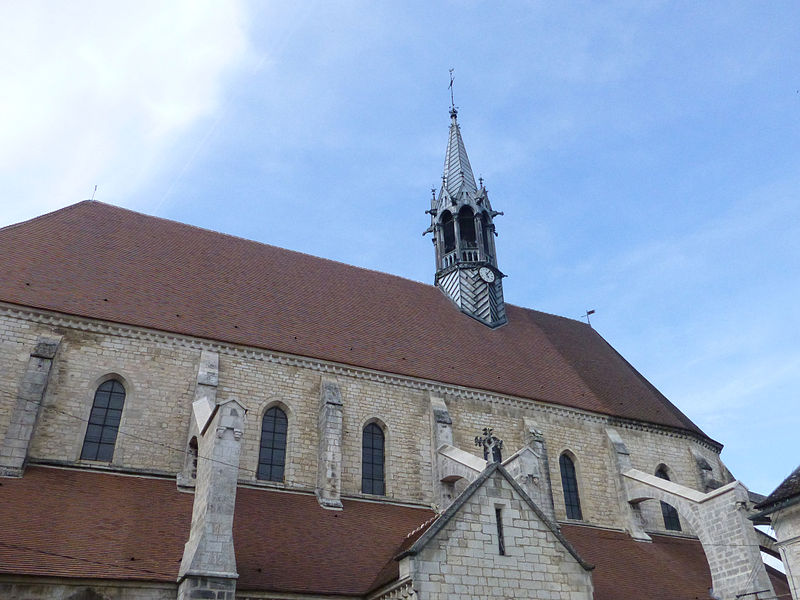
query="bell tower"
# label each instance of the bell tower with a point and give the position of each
(463, 237)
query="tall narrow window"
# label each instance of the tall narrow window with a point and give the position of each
(671, 520)
(569, 483)
(449, 231)
(501, 543)
(372, 447)
(486, 233)
(101, 433)
(466, 225)
(272, 454)
(193, 452)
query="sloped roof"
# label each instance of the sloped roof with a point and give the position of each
(100, 261)
(80, 524)
(70, 523)
(458, 176)
(788, 489)
(669, 568)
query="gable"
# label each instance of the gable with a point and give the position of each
(463, 553)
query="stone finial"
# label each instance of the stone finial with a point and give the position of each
(492, 445)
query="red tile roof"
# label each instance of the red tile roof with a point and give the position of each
(100, 261)
(788, 489)
(286, 542)
(78, 524)
(70, 523)
(669, 568)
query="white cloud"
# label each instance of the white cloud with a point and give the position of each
(96, 92)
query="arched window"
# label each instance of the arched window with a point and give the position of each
(272, 454)
(449, 230)
(569, 483)
(101, 433)
(671, 520)
(466, 226)
(193, 452)
(372, 456)
(486, 231)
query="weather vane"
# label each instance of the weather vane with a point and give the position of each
(452, 101)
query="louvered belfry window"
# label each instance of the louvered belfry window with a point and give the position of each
(671, 520)
(569, 483)
(101, 433)
(372, 457)
(272, 455)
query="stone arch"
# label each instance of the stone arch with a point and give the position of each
(719, 520)
(639, 494)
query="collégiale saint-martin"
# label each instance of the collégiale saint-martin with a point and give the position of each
(185, 414)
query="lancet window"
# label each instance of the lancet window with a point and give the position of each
(569, 483)
(372, 460)
(101, 433)
(272, 453)
(671, 520)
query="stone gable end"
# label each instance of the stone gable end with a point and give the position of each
(463, 559)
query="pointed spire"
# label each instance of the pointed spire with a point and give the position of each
(458, 175)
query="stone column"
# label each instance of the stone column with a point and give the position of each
(208, 568)
(631, 513)
(539, 486)
(14, 450)
(442, 431)
(786, 523)
(329, 456)
(205, 399)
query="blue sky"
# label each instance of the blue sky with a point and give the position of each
(645, 155)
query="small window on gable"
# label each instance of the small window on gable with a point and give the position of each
(372, 460)
(569, 483)
(272, 454)
(101, 433)
(671, 520)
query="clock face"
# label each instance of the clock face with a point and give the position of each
(486, 274)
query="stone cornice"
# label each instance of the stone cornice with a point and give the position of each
(56, 319)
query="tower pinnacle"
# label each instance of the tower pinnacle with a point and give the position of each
(463, 236)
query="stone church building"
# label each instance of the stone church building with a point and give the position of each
(186, 414)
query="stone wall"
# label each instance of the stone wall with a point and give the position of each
(786, 524)
(463, 560)
(160, 374)
(56, 589)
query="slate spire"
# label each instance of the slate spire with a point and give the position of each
(457, 177)
(462, 223)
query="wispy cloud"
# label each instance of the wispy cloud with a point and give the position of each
(95, 92)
